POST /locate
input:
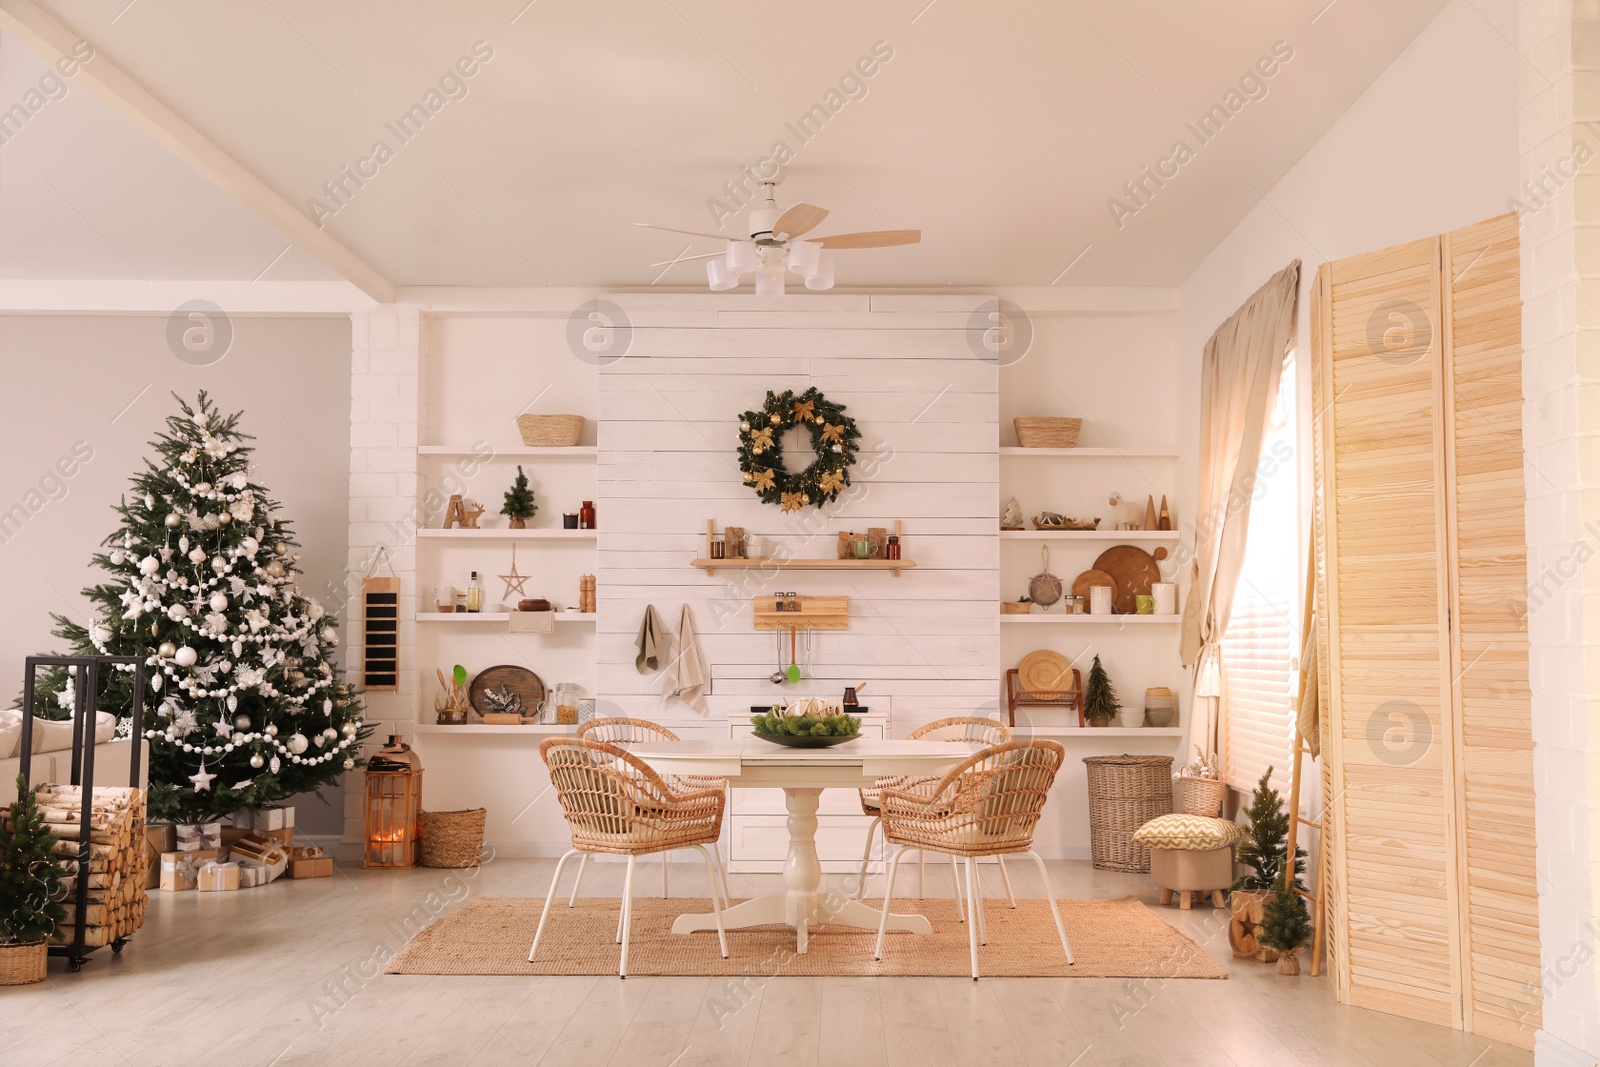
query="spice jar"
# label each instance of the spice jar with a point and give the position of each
(586, 515)
(893, 549)
(719, 548)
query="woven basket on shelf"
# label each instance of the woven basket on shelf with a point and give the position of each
(1125, 792)
(452, 838)
(24, 964)
(1202, 796)
(1012, 607)
(550, 431)
(1046, 431)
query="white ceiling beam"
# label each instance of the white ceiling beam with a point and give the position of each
(53, 40)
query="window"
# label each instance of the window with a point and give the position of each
(1261, 646)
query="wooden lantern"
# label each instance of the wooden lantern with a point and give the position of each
(394, 806)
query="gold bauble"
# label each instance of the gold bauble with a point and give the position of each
(167, 650)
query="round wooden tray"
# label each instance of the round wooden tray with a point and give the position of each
(1044, 671)
(519, 680)
(1133, 569)
(1088, 580)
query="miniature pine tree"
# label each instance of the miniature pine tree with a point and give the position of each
(245, 706)
(1099, 697)
(519, 501)
(1285, 924)
(30, 877)
(1264, 849)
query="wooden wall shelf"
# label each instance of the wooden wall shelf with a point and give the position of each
(710, 566)
(816, 613)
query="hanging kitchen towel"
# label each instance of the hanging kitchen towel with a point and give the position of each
(648, 644)
(685, 676)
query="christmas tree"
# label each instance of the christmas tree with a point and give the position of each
(1264, 849)
(1099, 698)
(245, 706)
(30, 877)
(519, 501)
(1285, 925)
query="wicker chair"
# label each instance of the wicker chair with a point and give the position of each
(968, 728)
(988, 806)
(616, 804)
(625, 733)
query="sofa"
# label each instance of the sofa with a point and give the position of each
(52, 752)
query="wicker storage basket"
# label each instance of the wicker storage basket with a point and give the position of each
(1046, 431)
(452, 838)
(24, 964)
(1125, 792)
(1012, 607)
(550, 431)
(1202, 796)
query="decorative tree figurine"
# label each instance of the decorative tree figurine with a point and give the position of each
(1264, 850)
(519, 502)
(1099, 698)
(1285, 926)
(245, 706)
(30, 882)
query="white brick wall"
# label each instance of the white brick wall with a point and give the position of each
(387, 364)
(1561, 432)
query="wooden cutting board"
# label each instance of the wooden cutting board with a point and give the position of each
(1088, 580)
(1134, 570)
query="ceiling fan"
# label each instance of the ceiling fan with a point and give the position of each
(775, 246)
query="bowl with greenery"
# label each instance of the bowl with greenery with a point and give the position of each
(811, 723)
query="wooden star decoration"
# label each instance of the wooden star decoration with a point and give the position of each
(514, 581)
(202, 780)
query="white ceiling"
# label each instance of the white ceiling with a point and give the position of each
(999, 130)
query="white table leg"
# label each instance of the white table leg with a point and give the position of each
(801, 905)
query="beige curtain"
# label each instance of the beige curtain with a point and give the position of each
(1243, 364)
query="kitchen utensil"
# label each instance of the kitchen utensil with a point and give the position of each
(851, 692)
(1044, 671)
(1088, 580)
(519, 680)
(1135, 571)
(805, 671)
(777, 676)
(793, 673)
(1145, 605)
(1044, 588)
(864, 549)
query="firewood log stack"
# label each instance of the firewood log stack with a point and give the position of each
(118, 866)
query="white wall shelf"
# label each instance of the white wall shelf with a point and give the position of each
(1086, 453)
(545, 452)
(556, 534)
(1091, 535)
(567, 618)
(1092, 620)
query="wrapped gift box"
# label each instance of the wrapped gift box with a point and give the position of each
(250, 877)
(284, 837)
(218, 878)
(158, 838)
(268, 856)
(180, 870)
(272, 817)
(196, 836)
(310, 863)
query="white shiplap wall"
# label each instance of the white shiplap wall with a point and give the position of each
(927, 407)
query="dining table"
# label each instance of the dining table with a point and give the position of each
(802, 774)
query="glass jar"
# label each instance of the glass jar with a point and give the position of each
(893, 549)
(561, 706)
(586, 515)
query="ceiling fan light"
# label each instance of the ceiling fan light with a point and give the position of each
(821, 278)
(720, 277)
(769, 284)
(741, 256)
(803, 257)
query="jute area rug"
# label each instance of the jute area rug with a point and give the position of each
(1110, 938)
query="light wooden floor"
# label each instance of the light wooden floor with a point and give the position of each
(252, 978)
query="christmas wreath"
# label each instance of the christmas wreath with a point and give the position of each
(834, 439)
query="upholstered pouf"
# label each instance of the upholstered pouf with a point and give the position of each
(1190, 854)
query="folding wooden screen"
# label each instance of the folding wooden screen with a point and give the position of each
(1421, 600)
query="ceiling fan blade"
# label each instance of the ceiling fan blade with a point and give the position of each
(871, 239)
(802, 218)
(691, 233)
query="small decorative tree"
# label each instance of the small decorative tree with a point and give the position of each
(1285, 926)
(1099, 697)
(30, 880)
(519, 502)
(1263, 851)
